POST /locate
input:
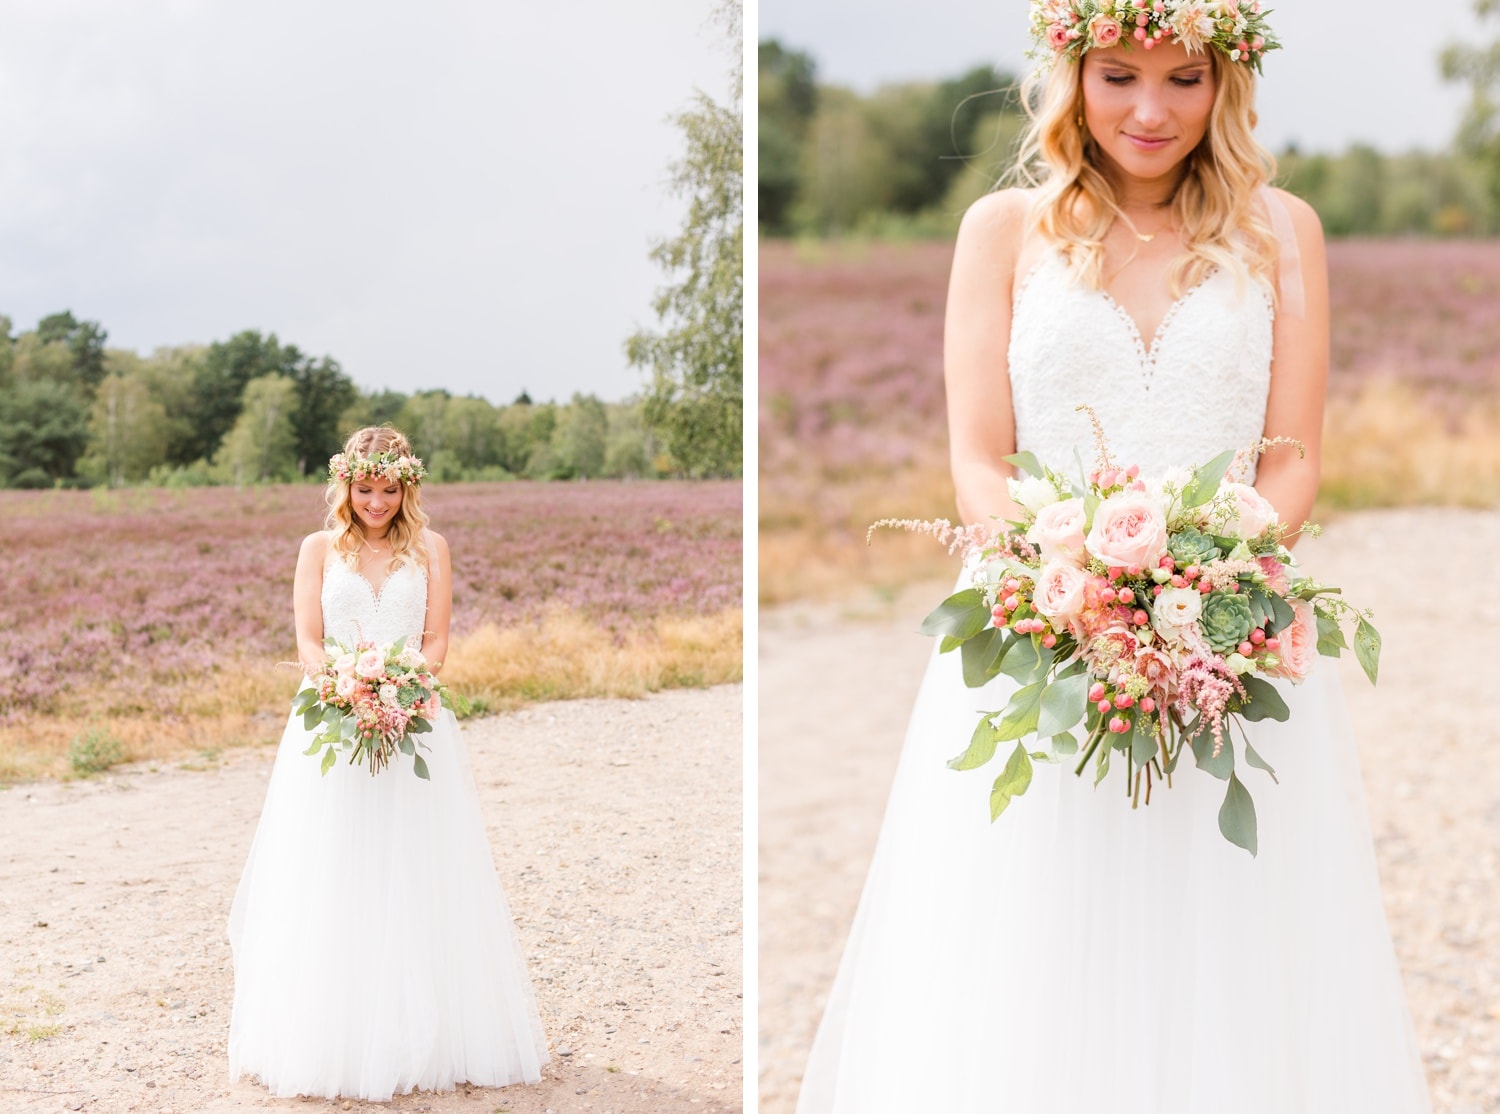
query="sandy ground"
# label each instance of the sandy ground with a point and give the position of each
(617, 835)
(836, 686)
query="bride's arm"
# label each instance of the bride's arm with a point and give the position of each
(439, 601)
(976, 339)
(1299, 379)
(307, 601)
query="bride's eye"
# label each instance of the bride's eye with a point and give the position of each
(1117, 79)
(1188, 82)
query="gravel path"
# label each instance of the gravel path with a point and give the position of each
(836, 686)
(616, 830)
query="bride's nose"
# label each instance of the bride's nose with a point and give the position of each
(1150, 109)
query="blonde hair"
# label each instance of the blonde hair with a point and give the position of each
(1214, 205)
(405, 531)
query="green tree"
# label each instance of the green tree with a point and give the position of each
(44, 428)
(84, 341)
(695, 399)
(787, 97)
(424, 420)
(225, 370)
(127, 433)
(580, 437)
(324, 393)
(376, 408)
(473, 433)
(1479, 68)
(627, 445)
(261, 447)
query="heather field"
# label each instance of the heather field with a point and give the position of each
(851, 410)
(151, 621)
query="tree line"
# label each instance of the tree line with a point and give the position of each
(908, 159)
(251, 409)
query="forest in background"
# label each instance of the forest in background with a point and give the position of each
(250, 409)
(906, 160)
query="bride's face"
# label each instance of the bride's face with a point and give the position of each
(1147, 109)
(375, 503)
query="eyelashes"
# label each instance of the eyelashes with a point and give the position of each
(1126, 79)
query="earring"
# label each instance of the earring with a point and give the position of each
(1080, 119)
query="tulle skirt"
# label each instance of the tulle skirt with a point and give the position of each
(373, 948)
(1077, 957)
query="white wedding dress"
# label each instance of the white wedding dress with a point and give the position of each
(373, 948)
(1078, 957)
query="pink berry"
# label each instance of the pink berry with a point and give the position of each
(1104, 706)
(1012, 602)
(1140, 32)
(1156, 589)
(1246, 648)
(1141, 618)
(1012, 585)
(997, 613)
(1205, 587)
(1049, 640)
(1096, 693)
(1127, 597)
(1273, 644)
(1109, 595)
(1192, 572)
(1134, 471)
(1167, 562)
(1152, 42)
(1179, 582)
(1257, 636)
(1124, 700)
(1134, 570)
(1148, 705)
(1118, 726)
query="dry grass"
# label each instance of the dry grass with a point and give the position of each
(1387, 446)
(557, 657)
(563, 656)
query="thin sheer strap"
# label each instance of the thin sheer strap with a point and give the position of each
(1292, 301)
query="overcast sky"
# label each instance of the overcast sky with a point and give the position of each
(445, 193)
(1325, 90)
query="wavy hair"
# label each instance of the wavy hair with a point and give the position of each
(1214, 205)
(406, 527)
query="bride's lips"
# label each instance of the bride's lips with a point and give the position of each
(1148, 143)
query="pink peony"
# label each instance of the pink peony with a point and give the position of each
(346, 686)
(1058, 531)
(1129, 529)
(345, 664)
(1060, 592)
(1299, 643)
(1252, 513)
(371, 664)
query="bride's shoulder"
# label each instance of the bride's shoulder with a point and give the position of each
(999, 219)
(315, 546)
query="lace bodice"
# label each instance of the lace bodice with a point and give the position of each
(352, 609)
(1199, 389)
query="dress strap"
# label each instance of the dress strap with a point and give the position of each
(1290, 265)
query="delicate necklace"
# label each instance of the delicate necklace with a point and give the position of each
(1143, 237)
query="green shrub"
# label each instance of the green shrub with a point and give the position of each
(93, 752)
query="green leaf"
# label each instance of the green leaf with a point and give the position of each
(1264, 703)
(406, 746)
(1064, 703)
(1282, 614)
(1103, 766)
(305, 699)
(313, 747)
(1027, 462)
(982, 655)
(1205, 482)
(1063, 745)
(1260, 606)
(1142, 741)
(1028, 661)
(1237, 816)
(311, 718)
(418, 726)
(1014, 780)
(982, 746)
(1330, 635)
(1252, 757)
(348, 728)
(1021, 714)
(962, 615)
(1221, 767)
(1367, 648)
(420, 767)
(328, 760)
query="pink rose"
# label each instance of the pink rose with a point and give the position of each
(344, 664)
(346, 686)
(1058, 531)
(1129, 529)
(1104, 31)
(1058, 37)
(1299, 643)
(371, 664)
(1060, 592)
(1252, 513)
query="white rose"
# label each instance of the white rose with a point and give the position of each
(1058, 531)
(1252, 513)
(1175, 609)
(1033, 492)
(388, 695)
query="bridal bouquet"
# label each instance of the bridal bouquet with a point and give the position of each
(371, 701)
(1144, 617)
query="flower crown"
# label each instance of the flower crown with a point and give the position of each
(1068, 28)
(389, 466)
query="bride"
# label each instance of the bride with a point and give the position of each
(1077, 956)
(373, 948)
